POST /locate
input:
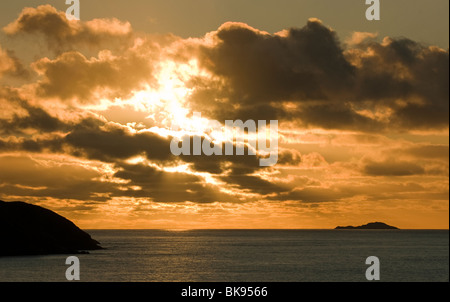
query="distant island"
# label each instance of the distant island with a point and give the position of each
(369, 226)
(27, 229)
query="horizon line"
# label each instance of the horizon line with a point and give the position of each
(250, 229)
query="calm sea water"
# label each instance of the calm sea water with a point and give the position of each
(246, 255)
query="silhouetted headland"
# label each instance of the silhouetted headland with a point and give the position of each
(369, 226)
(27, 229)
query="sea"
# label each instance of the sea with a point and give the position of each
(246, 256)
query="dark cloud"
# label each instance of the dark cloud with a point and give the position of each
(392, 167)
(259, 68)
(305, 63)
(62, 34)
(217, 164)
(163, 186)
(109, 142)
(305, 75)
(337, 116)
(36, 119)
(409, 79)
(30, 118)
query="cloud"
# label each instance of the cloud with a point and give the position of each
(57, 180)
(72, 75)
(62, 34)
(407, 78)
(340, 116)
(32, 128)
(307, 76)
(428, 151)
(11, 65)
(26, 116)
(106, 141)
(69, 180)
(316, 194)
(97, 139)
(259, 67)
(391, 167)
(358, 37)
(303, 77)
(161, 186)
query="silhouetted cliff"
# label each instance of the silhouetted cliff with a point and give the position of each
(27, 229)
(369, 226)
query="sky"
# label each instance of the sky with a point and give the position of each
(90, 108)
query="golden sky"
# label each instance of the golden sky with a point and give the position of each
(89, 109)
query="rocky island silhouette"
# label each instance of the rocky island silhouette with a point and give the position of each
(27, 229)
(369, 226)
